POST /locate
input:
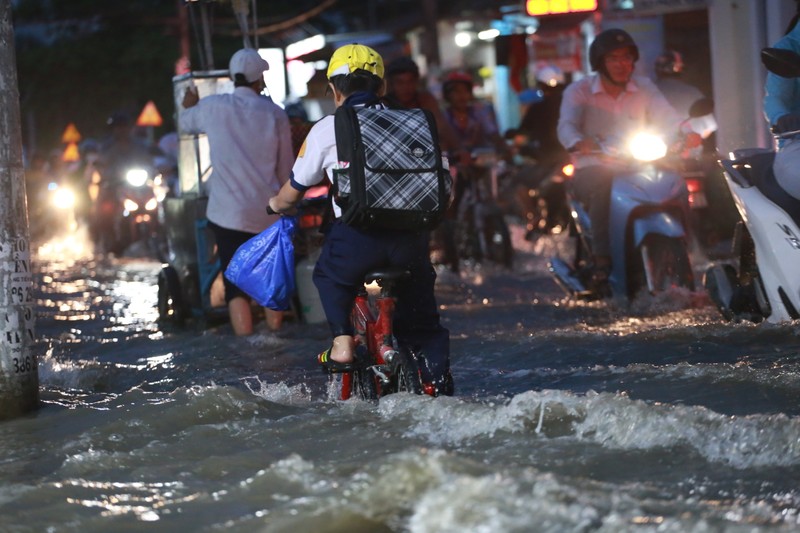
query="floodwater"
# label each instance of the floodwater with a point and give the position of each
(567, 418)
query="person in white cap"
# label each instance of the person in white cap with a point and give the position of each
(251, 157)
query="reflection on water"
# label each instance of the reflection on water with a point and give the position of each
(567, 417)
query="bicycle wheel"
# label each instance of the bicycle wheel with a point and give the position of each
(363, 384)
(405, 373)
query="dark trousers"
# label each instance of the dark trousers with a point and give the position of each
(348, 254)
(228, 241)
(591, 186)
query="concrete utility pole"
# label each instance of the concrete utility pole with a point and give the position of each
(19, 373)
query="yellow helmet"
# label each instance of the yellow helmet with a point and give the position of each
(351, 57)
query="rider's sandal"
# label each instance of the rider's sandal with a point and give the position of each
(331, 366)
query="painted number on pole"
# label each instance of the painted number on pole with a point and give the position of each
(16, 307)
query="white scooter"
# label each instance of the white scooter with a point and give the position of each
(766, 285)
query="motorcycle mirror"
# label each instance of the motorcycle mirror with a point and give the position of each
(702, 107)
(784, 63)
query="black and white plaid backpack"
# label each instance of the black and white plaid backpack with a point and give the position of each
(395, 177)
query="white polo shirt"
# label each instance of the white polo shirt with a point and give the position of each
(587, 110)
(317, 158)
(251, 155)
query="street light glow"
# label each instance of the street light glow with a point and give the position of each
(463, 39)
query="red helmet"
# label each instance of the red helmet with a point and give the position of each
(454, 78)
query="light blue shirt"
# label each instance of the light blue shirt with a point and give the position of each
(782, 95)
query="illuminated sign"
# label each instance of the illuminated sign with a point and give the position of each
(149, 116)
(306, 46)
(536, 8)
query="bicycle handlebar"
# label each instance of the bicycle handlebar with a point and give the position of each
(316, 201)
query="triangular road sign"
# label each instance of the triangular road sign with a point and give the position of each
(70, 134)
(149, 116)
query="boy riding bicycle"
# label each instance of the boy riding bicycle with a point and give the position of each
(355, 75)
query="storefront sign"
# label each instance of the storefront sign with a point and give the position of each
(561, 49)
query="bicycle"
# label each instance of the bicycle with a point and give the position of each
(477, 228)
(383, 365)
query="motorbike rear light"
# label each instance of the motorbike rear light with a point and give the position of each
(568, 170)
(310, 221)
(694, 185)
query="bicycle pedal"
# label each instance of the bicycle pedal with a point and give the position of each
(381, 372)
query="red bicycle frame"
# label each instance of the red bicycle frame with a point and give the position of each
(375, 332)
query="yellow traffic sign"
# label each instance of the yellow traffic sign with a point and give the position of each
(149, 116)
(70, 134)
(71, 153)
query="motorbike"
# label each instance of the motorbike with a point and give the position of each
(538, 189)
(648, 226)
(712, 216)
(127, 213)
(53, 210)
(762, 283)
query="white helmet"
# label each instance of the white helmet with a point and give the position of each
(550, 75)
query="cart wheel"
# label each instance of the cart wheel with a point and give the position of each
(171, 310)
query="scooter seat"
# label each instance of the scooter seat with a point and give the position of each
(761, 175)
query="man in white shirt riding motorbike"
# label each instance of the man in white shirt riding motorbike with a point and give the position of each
(613, 103)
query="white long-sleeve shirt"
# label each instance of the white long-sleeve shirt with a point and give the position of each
(251, 155)
(588, 111)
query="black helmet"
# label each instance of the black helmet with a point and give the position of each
(402, 65)
(608, 41)
(670, 63)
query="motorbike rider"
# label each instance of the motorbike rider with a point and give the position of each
(403, 91)
(611, 103)
(782, 111)
(355, 73)
(474, 123)
(669, 68)
(120, 152)
(540, 120)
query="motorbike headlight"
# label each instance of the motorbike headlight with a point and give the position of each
(647, 147)
(130, 206)
(136, 177)
(63, 198)
(151, 204)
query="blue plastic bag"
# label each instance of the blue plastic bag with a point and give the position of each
(263, 267)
